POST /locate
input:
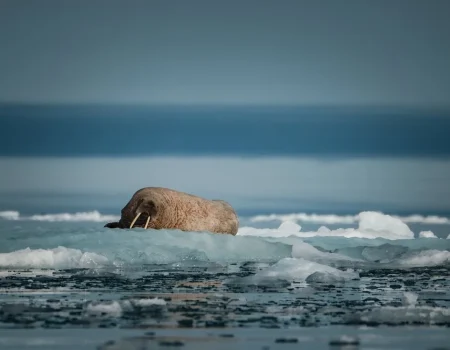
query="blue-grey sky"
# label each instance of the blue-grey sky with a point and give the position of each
(384, 52)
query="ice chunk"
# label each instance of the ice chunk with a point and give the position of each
(332, 219)
(427, 234)
(431, 257)
(82, 216)
(137, 247)
(304, 217)
(149, 302)
(117, 308)
(58, 258)
(410, 299)
(324, 277)
(289, 226)
(10, 215)
(345, 341)
(109, 309)
(381, 223)
(371, 225)
(383, 253)
(95, 216)
(258, 281)
(323, 229)
(401, 315)
(420, 219)
(299, 269)
(308, 252)
(286, 229)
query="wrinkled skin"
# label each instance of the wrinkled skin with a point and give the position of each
(163, 208)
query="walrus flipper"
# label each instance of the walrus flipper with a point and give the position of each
(112, 225)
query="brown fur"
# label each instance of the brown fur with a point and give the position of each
(170, 209)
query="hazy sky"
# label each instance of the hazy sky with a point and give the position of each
(203, 51)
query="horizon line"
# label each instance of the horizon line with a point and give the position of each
(226, 105)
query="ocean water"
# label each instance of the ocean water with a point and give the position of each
(362, 279)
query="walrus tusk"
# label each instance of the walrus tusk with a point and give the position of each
(146, 223)
(135, 219)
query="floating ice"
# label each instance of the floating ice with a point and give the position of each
(345, 341)
(288, 270)
(403, 315)
(371, 225)
(149, 302)
(324, 277)
(299, 269)
(410, 299)
(111, 309)
(58, 258)
(137, 247)
(332, 219)
(429, 257)
(81, 246)
(10, 215)
(419, 219)
(83, 216)
(289, 226)
(327, 219)
(386, 224)
(303, 217)
(427, 234)
(308, 252)
(286, 229)
(94, 216)
(383, 253)
(114, 308)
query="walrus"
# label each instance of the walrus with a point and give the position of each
(164, 208)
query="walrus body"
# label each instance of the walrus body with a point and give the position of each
(163, 208)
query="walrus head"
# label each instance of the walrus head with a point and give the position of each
(145, 209)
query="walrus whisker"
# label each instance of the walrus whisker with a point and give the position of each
(146, 223)
(135, 219)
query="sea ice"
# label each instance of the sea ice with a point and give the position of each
(303, 217)
(371, 225)
(299, 269)
(82, 216)
(386, 224)
(10, 215)
(410, 299)
(94, 216)
(308, 252)
(58, 258)
(427, 234)
(148, 302)
(404, 314)
(430, 257)
(383, 253)
(289, 226)
(332, 219)
(111, 309)
(324, 277)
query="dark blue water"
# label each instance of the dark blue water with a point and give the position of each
(242, 131)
